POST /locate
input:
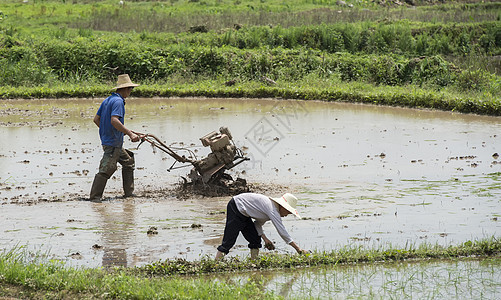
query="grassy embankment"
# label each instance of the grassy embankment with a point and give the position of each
(21, 275)
(441, 56)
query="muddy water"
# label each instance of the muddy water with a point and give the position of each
(463, 279)
(364, 175)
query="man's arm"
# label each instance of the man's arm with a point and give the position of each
(299, 250)
(277, 222)
(97, 120)
(115, 121)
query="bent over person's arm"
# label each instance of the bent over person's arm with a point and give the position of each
(299, 250)
(277, 222)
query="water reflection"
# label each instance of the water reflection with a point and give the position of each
(117, 228)
(435, 279)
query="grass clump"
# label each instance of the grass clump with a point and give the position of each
(347, 255)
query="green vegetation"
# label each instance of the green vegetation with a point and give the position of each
(347, 255)
(21, 274)
(443, 55)
(414, 55)
(36, 279)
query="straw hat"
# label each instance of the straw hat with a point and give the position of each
(288, 201)
(124, 82)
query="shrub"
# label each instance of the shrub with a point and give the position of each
(207, 61)
(473, 80)
(24, 72)
(352, 69)
(434, 70)
(384, 70)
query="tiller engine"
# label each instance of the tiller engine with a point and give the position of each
(211, 169)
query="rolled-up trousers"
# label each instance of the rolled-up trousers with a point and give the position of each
(236, 223)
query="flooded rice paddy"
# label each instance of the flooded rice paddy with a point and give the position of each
(465, 279)
(365, 175)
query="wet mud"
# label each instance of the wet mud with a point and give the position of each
(364, 175)
(226, 186)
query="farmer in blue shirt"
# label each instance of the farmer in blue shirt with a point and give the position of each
(110, 120)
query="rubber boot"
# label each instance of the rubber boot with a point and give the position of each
(254, 253)
(96, 192)
(128, 182)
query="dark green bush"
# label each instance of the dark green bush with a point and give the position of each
(256, 65)
(383, 70)
(490, 41)
(370, 38)
(24, 72)
(433, 70)
(352, 68)
(473, 80)
(151, 58)
(208, 62)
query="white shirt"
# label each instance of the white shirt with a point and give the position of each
(261, 208)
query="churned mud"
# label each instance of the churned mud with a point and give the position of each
(222, 187)
(364, 175)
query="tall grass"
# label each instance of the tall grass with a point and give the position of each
(245, 57)
(286, 14)
(39, 278)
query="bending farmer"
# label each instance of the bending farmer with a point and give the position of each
(247, 206)
(110, 120)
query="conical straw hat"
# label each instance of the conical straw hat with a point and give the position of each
(289, 202)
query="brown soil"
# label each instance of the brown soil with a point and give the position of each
(222, 187)
(188, 190)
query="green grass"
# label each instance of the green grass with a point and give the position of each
(346, 255)
(308, 89)
(179, 16)
(23, 275)
(51, 279)
(56, 49)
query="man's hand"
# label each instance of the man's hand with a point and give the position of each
(299, 250)
(303, 252)
(267, 243)
(269, 246)
(134, 137)
(115, 122)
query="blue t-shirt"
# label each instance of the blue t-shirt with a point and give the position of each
(114, 105)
